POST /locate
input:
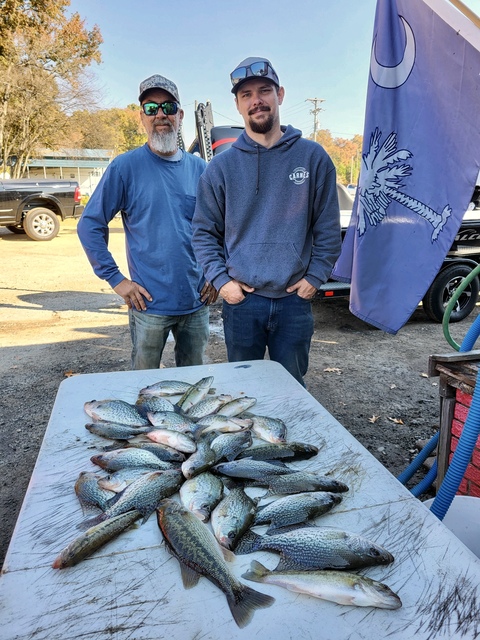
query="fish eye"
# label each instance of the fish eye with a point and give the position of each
(231, 535)
(374, 552)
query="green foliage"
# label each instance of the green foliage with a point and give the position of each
(346, 154)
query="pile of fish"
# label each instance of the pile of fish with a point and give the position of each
(189, 454)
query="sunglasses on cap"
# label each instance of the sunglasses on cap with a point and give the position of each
(257, 69)
(169, 108)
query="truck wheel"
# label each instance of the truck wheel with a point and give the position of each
(41, 224)
(16, 228)
(442, 289)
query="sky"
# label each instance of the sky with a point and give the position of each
(319, 49)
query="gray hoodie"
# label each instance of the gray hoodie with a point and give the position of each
(268, 217)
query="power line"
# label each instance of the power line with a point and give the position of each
(315, 111)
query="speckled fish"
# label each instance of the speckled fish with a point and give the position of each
(335, 586)
(172, 421)
(166, 388)
(317, 548)
(128, 458)
(198, 553)
(197, 392)
(145, 493)
(301, 481)
(207, 406)
(258, 470)
(237, 406)
(229, 445)
(288, 451)
(115, 411)
(201, 494)
(162, 451)
(201, 459)
(90, 493)
(175, 439)
(114, 430)
(94, 538)
(269, 429)
(153, 403)
(295, 509)
(119, 480)
(223, 424)
(232, 516)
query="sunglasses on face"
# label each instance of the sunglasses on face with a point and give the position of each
(257, 69)
(151, 108)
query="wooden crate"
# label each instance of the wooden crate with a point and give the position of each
(458, 375)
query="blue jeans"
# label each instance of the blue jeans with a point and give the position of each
(150, 332)
(283, 325)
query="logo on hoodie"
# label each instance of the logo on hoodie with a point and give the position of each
(299, 175)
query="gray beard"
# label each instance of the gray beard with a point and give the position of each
(165, 143)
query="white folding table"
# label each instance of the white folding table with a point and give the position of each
(131, 588)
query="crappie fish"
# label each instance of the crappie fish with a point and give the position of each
(197, 551)
(166, 388)
(192, 396)
(288, 450)
(119, 480)
(224, 424)
(295, 509)
(317, 548)
(114, 430)
(145, 404)
(207, 406)
(145, 493)
(301, 481)
(94, 538)
(171, 420)
(232, 516)
(131, 457)
(269, 429)
(90, 493)
(229, 445)
(162, 451)
(201, 494)
(237, 406)
(336, 586)
(175, 439)
(115, 411)
(252, 469)
(201, 459)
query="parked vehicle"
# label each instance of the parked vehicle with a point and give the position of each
(36, 207)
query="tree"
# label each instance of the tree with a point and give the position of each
(345, 154)
(44, 56)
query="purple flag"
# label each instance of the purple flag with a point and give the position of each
(420, 157)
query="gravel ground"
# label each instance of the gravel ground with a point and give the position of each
(57, 319)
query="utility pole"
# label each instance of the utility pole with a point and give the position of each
(315, 110)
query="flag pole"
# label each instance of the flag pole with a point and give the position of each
(466, 12)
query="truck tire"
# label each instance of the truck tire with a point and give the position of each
(41, 224)
(442, 289)
(16, 228)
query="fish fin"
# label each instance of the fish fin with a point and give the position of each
(228, 554)
(116, 444)
(190, 577)
(91, 522)
(248, 543)
(256, 572)
(273, 529)
(244, 601)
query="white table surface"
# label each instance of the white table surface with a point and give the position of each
(131, 588)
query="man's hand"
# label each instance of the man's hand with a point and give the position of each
(208, 294)
(303, 288)
(232, 292)
(133, 294)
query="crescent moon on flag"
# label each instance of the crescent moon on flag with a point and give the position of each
(393, 77)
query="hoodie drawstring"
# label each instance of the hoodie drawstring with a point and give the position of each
(258, 170)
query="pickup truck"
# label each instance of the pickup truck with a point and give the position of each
(36, 207)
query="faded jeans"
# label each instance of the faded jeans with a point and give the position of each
(283, 325)
(150, 332)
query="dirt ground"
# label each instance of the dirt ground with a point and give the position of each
(57, 319)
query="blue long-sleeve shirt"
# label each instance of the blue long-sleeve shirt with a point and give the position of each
(268, 217)
(156, 198)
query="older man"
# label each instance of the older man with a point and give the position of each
(267, 226)
(154, 188)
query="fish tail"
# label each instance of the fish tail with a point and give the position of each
(244, 601)
(256, 573)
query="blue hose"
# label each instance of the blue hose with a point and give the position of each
(417, 462)
(427, 481)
